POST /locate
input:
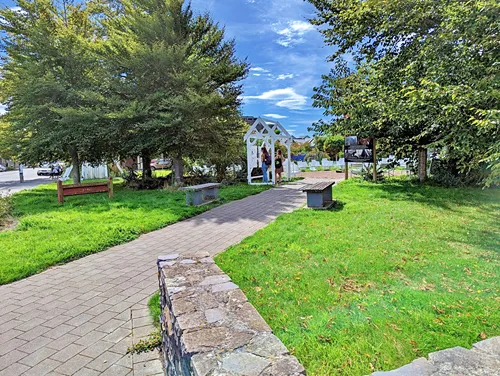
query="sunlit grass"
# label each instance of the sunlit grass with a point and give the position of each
(49, 233)
(397, 271)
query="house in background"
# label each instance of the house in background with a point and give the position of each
(304, 140)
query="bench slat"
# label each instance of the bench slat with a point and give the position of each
(201, 187)
(318, 187)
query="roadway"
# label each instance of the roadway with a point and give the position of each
(9, 181)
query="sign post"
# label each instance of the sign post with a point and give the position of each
(360, 150)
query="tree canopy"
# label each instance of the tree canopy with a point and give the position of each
(98, 80)
(424, 74)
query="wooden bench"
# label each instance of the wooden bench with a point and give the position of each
(83, 189)
(201, 194)
(319, 195)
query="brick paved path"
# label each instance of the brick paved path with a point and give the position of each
(80, 318)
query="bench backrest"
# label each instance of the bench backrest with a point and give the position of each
(83, 189)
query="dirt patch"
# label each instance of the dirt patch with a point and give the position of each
(8, 224)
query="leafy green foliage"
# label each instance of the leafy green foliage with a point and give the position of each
(399, 270)
(49, 233)
(426, 76)
(50, 82)
(176, 88)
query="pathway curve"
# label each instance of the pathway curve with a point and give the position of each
(80, 318)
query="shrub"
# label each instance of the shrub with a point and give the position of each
(5, 208)
(445, 172)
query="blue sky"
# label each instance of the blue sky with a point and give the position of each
(286, 53)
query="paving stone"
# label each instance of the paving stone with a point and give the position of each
(84, 329)
(110, 326)
(117, 335)
(43, 368)
(97, 349)
(33, 333)
(73, 365)
(68, 352)
(10, 358)
(14, 370)
(87, 372)
(116, 370)
(59, 331)
(10, 345)
(34, 345)
(151, 367)
(36, 357)
(64, 341)
(104, 361)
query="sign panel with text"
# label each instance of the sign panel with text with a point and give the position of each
(358, 149)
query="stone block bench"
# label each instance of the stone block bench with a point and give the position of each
(319, 195)
(201, 194)
(209, 327)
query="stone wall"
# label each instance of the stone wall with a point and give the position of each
(208, 326)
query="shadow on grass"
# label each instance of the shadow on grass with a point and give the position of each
(444, 198)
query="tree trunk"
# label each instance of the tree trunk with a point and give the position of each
(75, 161)
(178, 170)
(220, 172)
(422, 164)
(146, 166)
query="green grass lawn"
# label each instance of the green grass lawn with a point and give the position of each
(395, 272)
(48, 233)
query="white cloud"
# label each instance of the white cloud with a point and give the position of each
(286, 98)
(293, 33)
(259, 69)
(292, 126)
(257, 74)
(275, 116)
(284, 76)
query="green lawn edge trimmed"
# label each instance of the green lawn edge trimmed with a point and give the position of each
(49, 234)
(396, 271)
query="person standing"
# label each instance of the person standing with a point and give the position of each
(21, 173)
(278, 165)
(265, 159)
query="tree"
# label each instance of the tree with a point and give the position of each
(50, 82)
(176, 88)
(426, 75)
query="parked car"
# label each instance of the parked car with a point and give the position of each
(3, 168)
(161, 164)
(44, 170)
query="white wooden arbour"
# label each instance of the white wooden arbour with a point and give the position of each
(265, 132)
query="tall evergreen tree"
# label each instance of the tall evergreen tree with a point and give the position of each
(176, 81)
(50, 81)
